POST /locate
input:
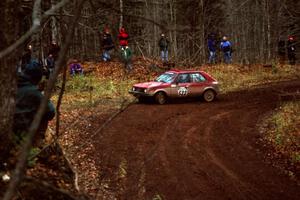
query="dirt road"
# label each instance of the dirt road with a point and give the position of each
(191, 150)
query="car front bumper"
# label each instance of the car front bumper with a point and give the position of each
(139, 94)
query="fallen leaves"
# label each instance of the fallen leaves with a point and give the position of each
(81, 116)
(282, 134)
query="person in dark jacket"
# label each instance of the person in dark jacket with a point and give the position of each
(26, 57)
(163, 46)
(291, 50)
(226, 49)
(50, 64)
(281, 51)
(107, 44)
(28, 100)
(54, 50)
(211, 44)
(123, 37)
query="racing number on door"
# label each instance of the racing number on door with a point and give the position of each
(183, 91)
(183, 80)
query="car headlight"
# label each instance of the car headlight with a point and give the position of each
(145, 90)
(133, 88)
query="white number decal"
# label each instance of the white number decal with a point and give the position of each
(183, 91)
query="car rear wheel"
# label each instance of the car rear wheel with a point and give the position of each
(160, 98)
(209, 95)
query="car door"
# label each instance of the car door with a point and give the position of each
(197, 84)
(180, 88)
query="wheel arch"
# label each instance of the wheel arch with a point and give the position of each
(161, 97)
(163, 91)
(210, 88)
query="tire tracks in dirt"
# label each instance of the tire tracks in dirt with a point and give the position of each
(240, 186)
(192, 151)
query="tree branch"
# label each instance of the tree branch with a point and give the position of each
(60, 97)
(36, 13)
(21, 165)
(36, 25)
(50, 187)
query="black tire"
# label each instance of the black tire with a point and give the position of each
(141, 99)
(209, 95)
(160, 98)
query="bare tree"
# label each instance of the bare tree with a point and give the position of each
(9, 30)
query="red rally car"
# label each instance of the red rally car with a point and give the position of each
(178, 84)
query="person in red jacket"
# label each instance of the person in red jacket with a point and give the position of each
(123, 37)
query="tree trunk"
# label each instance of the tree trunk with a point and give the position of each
(268, 31)
(9, 29)
(54, 26)
(173, 13)
(121, 14)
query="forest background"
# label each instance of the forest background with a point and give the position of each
(253, 26)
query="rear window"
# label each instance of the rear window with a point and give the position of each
(197, 77)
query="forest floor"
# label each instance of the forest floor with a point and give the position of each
(119, 149)
(183, 150)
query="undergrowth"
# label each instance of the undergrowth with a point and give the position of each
(233, 78)
(108, 86)
(91, 90)
(110, 83)
(283, 134)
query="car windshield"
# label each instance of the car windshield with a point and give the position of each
(166, 78)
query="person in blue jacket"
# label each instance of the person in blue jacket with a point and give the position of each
(211, 44)
(226, 48)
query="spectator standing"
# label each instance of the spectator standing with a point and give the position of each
(126, 56)
(226, 49)
(28, 100)
(26, 58)
(50, 64)
(163, 45)
(54, 50)
(291, 50)
(123, 37)
(281, 51)
(107, 44)
(53, 54)
(211, 44)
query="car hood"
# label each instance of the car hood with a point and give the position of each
(148, 84)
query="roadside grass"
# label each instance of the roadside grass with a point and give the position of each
(283, 134)
(111, 84)
(90, 90)
(232, 77)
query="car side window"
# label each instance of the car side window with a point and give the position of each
(197, 78)
(183, 78)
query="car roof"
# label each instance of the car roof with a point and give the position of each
(177, 71)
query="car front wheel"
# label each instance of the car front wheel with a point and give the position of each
(141, 99)
(209, 95)
(160, 98)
